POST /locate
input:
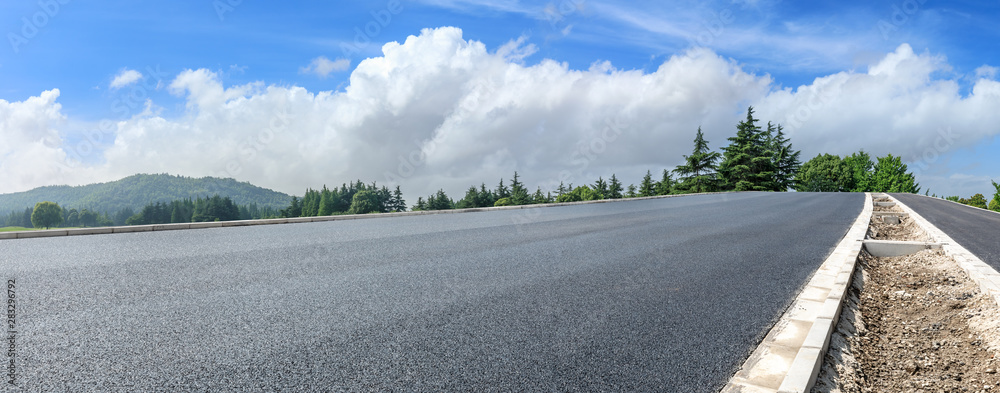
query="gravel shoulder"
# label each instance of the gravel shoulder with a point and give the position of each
(913, 323)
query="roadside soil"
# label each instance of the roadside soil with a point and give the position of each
(914, 323)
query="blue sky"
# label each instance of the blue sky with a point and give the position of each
(168, 57)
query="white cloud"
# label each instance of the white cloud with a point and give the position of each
(438, 111)
(125, 77)
(322, 67)
(31, 154)
(987, 72)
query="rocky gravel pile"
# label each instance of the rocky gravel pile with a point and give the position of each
(914, 323)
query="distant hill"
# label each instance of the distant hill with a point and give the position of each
(138, 190)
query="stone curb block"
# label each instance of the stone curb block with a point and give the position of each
(272, 221)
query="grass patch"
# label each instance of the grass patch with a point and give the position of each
(13, 229)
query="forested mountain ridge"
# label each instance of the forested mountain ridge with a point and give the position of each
(139, 190)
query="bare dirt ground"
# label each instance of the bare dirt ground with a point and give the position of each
(915, 323)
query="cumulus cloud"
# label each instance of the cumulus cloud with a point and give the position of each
(895, 107)
(125, 77)
(323, 67)
(31, 154)
(440, 111)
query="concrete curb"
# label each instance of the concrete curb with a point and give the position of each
(982, 274)
(791, 355)
(274, 221)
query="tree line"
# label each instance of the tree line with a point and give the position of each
(757, 158)
(979, 200)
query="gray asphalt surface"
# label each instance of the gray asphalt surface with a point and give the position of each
(973, 228)
(656, 295)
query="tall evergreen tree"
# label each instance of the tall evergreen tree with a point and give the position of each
(502, 191)
(647, 188)
(518, 193)
(786, 159)
(397, 204)
(421, 205)
(747, 163)
(614, 188)
(539, 197)
(486, 197)
(666, 184)
(698, 172)
(327, 202)
(601, 188)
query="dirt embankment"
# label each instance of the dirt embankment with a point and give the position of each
(914, 323)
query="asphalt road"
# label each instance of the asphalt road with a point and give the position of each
(655, 295)
(975, 229)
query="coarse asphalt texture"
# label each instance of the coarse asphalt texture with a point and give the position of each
(652, 295)
(973, 228)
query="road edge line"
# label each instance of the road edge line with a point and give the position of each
(981, 273)
(791, 354)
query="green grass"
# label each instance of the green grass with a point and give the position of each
(12, 229)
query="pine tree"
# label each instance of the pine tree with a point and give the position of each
(614, 188)
(786, 159)
(747, 163)
(666, 184)
(397, 204)
(325, 202)
(698, 172)
(561, 190)
(601, 188)
(631, 191)
(518, 193)
(420, 205)
(502, 191)
(486, 197)
(538, 197)
(647, 188)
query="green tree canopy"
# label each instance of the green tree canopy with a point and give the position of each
(614, 188)
(748, 162)
(518, 192)
(824, 173)
(364, 202)
(46, 215)
(786, 159)
(995, 202)
(698, 173)
(890, 175)
(859, 167)
(647, 188)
